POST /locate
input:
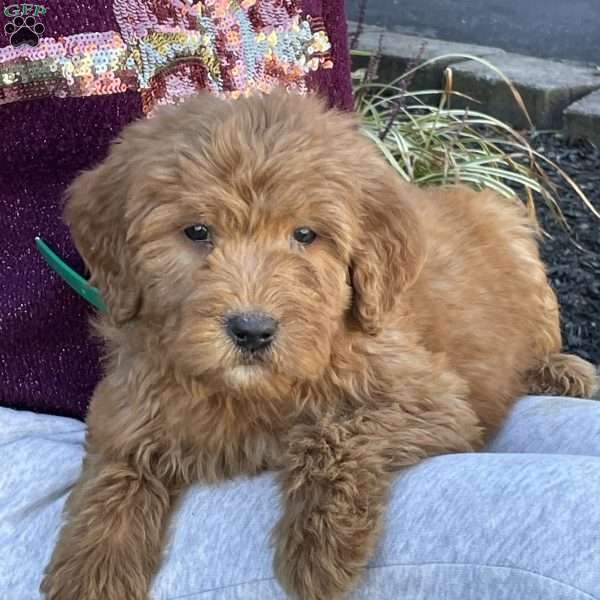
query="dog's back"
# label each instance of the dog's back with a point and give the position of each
(484, 300)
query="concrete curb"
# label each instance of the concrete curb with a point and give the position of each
(399, 52)
(557, 94)
(583, 119)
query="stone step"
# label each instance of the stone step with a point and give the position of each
(400, 51)
(583, 118)
(547, 88)
(556, 94)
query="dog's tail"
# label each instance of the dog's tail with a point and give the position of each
(564, 375)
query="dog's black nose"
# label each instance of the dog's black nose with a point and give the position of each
(251, 331)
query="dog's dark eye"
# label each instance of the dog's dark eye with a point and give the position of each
(197, 233)
(304, 235)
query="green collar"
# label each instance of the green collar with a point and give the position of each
(76, 281)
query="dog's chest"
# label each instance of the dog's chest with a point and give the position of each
(224, 445)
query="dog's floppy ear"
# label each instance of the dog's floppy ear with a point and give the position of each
(96, 215)
(389, 252)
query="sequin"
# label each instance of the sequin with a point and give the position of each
(70, 62)
(167, 51)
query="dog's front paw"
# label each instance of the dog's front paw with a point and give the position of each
(61, 584)
(91, 577)
(58, 586)
(314, 560)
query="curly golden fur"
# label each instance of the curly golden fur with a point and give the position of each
(406, 330)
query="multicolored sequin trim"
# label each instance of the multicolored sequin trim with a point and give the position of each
(85, 64)
(169, 49)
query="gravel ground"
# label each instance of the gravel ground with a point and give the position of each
(574, 272)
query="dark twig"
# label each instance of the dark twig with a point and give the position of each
(398, 103)
(373, 67)
(360, 23)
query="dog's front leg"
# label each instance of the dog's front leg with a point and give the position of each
(110, 544)
(335, 486)
(334, 491)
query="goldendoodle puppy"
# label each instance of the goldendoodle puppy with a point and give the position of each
(279, 299)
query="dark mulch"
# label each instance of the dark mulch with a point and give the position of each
(574, 272)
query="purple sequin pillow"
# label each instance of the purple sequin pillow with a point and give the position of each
(71, 76)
